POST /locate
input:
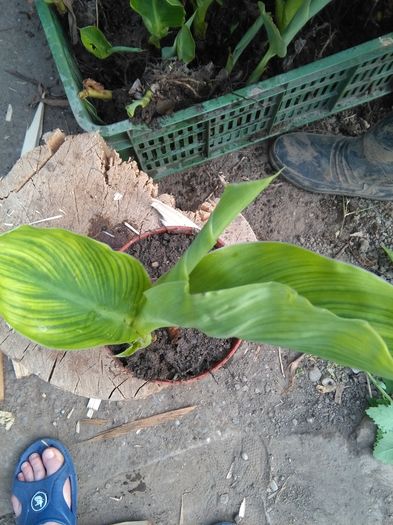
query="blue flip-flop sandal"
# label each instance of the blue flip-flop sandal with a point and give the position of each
(43, 500)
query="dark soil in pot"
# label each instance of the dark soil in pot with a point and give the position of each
(338, 26)
(175, 354)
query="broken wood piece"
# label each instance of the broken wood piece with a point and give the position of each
(291, 371)
(93, 405)
(134, 523)
(2, 386)
(34, 131)
(147, 422)
(20, 369)
(93, 422)
(7, 419)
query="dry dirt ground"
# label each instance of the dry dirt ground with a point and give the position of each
(296, 455)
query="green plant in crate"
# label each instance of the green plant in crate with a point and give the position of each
(159, 16)
(201, 8)
(67, 291)
(184, 45)
(293, 15)
(290, 18)
(59, 4)
(97, 44)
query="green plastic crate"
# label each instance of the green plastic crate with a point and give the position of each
(208, 130)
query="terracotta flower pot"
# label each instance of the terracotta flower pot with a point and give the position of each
(185, 230)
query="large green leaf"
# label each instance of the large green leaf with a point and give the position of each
(234, 199)
(66, 291)
(159, 16)
(269, 313)
(343, 289)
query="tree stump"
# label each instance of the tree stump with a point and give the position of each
(80, 184)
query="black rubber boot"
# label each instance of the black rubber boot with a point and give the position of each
(357, 167)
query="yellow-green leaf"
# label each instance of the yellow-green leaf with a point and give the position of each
(67, 291)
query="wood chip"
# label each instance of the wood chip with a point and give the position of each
(151, 421)
(134, 522)
(242, 510)
(7, 419)
(93, 422)
(8, 115)
(20, 369)
(291, 370)
(339, 392)
(93, 405)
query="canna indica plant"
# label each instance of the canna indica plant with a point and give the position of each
(67, 291)
(290, 18)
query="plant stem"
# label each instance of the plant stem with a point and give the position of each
(103, 94)
(125, 49)
(384, 394)
(259, 70)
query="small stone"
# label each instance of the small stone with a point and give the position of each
(244, 456)
(155, 264)
(310, 420)
(365, 433)
(245, 388)
(237, 386)
(294, 422)
(315, 374)
(224, 499)
(43, 395)
(54, 423)
(257, 391)
(273, 487)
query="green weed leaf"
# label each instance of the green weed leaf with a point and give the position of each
(383, 449)
(382, 415)
(388, 252)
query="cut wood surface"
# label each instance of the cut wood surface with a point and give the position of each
(79, 183)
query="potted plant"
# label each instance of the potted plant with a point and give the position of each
(263, 109)
(67, 291)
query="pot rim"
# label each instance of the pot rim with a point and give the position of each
(188, 230)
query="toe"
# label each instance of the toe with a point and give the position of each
(53, 459)
(38, 467)
(16, 506)
(27, 471)
(20, 476)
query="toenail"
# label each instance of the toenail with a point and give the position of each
(34, 456)
(49, 453)
(25, 464)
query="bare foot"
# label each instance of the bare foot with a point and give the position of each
(37, 468)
